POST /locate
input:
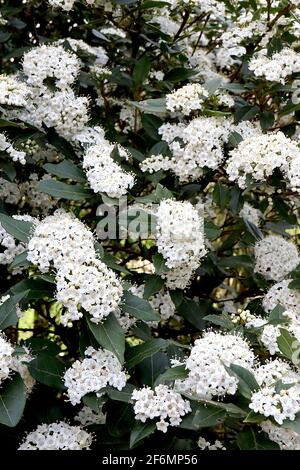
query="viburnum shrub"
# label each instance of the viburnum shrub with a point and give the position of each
(150, 182)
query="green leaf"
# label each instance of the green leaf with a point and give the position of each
(9, 169)
(19, 229)
(254, 440)
(34, 288)
(253, 230)
(153, 284)
(65, 169)
(292, 425)
(48, 370)
(247, 381)
(207, 416)
(62, 145)
(276, 316)
(178, 74)
(212, 85)
(234, 139)
(211, 230)
(8, 311)
(253, 417)
(194, 312)
(59, 190)
(20, 261)
(42, 346)
(137, 353)
(151, 124)
(151, 106)
(245, 113)
(92, 401)
(266, 120)
(223, 320)
(153, 4)
(221, 195)
(174, 373)
(141, 431)
(12, 401)
(141, 71)
(295, 284)
(109, 335)
(139, 308)
(123, 395)
(125, 2)
(288, 345)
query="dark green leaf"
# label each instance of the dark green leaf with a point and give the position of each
(8, 311)
(141, 431)
(65, 169)
(174, 373)
(194, 312)
(137, 353)
(178, 74)
(59, 190)
(123, 395)
(254, 440)
(48, 370)
(12, 401)
(19, 229)
(109, 335)
(207, 416)
(153, 284)
(139, 308)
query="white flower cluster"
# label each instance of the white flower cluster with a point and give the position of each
(275, 257)
(9, 191)
(19, 364)
(103, 173)
(99, 369)
(163, 403)
(251, 214)
(268, 334)
(280, 293)
(60, 239)
(187, 99)
(13, 363)
(43, 67)
(180, 239)
(86, 416)
(207, 375)
(64, 4)
(285, 438)
(6, 351)
(280, 404)
(241, 32)
(258, 156)
(93, 287)
(277, 67)
(57, 436)
(7, 147)
(82, 48)
(83, 281)
(40, 203)
(50, 62)
(194, 146)
(10, 248)
(205, 445)
(13, 92)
